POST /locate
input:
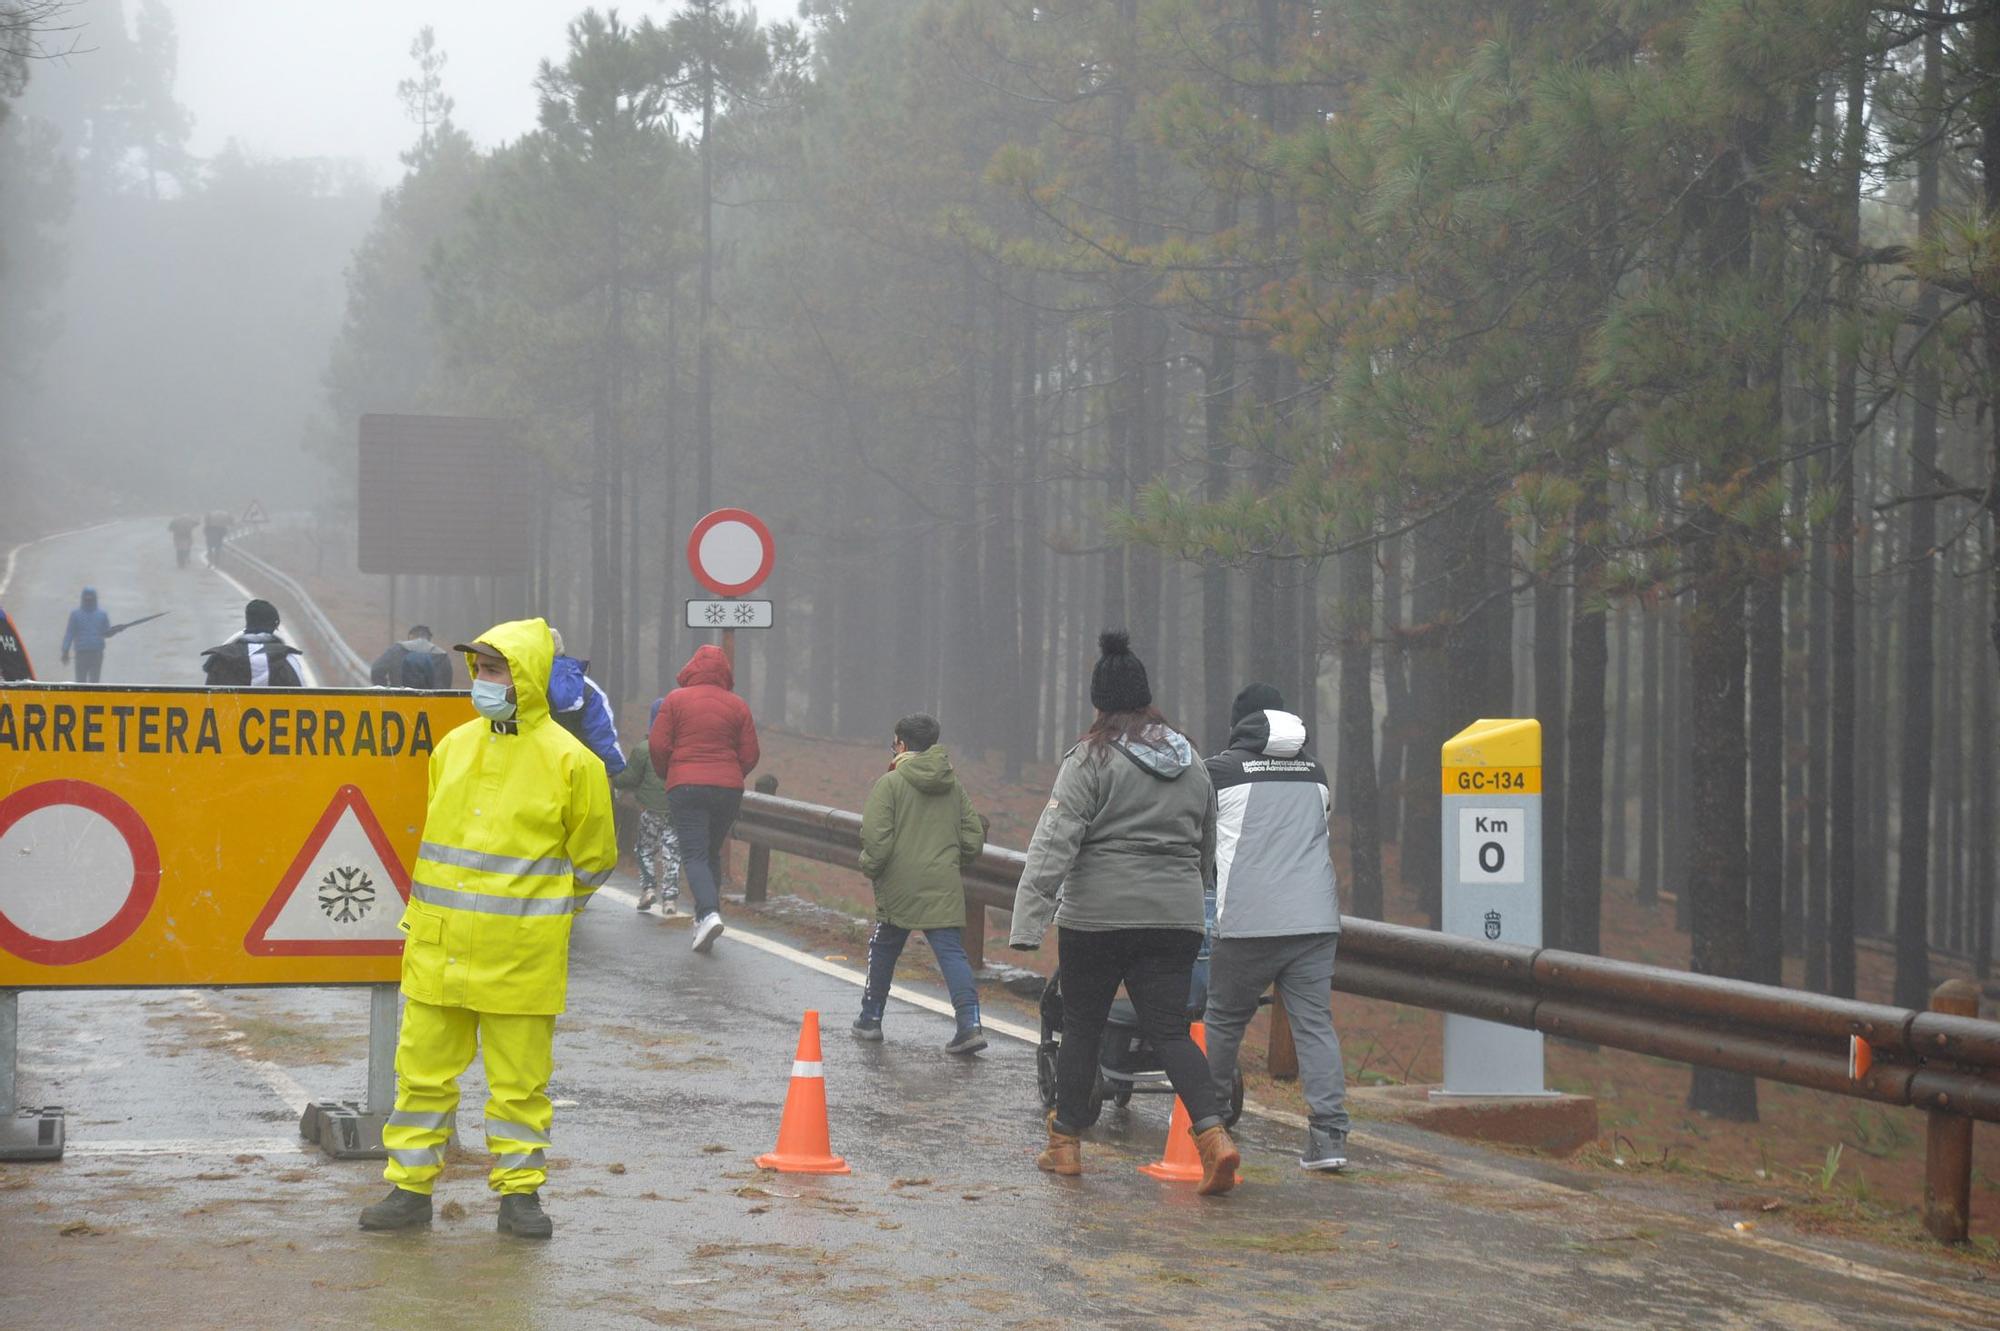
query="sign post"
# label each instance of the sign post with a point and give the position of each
(730, 552)
(1492, 841)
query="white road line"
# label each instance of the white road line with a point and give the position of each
(7, 578)
(295, 1096)
(847, 973)
(192, 1146)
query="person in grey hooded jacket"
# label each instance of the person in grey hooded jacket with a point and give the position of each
(1277, 909)
(1120, 858)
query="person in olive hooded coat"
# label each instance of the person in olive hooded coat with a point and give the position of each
(917, 831)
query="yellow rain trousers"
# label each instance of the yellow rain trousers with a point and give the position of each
(517, 835)
(436, 1045)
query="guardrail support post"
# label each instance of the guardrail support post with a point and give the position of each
(975, 934)
(1948, 1141)
(757, 875)
(1281, 1056)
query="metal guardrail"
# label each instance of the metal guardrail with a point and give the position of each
(333, 646)
(1940, 1061)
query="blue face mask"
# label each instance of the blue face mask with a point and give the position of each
(490, 697)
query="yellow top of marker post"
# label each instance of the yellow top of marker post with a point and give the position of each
(1495, 756)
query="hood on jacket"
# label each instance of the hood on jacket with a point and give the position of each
(930, 771)
(1278, 734)
(89, 598)
(1160, 751)
(566, 682)
(530, 654)
(707, 666)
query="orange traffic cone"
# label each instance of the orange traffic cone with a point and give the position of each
(803, 1144)
(1181, 1163)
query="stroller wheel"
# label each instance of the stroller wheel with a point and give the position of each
(1045, 1073)
(1100, 1091)
(1235, 1101)
(1122, 1096)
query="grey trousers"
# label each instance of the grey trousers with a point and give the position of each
(1300, 968)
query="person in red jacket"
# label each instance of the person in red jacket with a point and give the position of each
(703, 744)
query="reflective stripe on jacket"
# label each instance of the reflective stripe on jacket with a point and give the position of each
(517, 835)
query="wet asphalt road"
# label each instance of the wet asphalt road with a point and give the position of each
(186, 1198)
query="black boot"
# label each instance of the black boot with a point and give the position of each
(401, 1209)
(521, 1215)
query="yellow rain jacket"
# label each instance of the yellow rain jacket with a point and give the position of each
(517, 836)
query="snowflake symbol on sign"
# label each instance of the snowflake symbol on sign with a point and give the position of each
(714, 613)
(746, 614)
(346, 894)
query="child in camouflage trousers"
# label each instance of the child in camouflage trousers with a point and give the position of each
(659, 849)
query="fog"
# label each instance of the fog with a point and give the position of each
(1422, 365)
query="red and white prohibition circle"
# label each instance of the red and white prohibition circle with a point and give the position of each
(731, 551)
(139, 894)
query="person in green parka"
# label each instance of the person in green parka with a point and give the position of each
(917, 831)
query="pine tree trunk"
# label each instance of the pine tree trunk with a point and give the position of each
(1583, 861)
(1550, 708)
(1766, 850)
(1395, 691)
(1618, 860)
(1430, 724)
(1984, 870)
(1919, 661)
(1652, 749)
(1357, 733)
(1025, 711)
(964, 657)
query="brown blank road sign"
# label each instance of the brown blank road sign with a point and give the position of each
(445, 495)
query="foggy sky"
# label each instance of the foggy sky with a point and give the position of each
(306, 78)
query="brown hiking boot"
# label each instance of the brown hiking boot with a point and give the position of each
(1219, 1159)
(1064, 1153)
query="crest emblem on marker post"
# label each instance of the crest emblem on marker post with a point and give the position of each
(342, 895)
(730, 552)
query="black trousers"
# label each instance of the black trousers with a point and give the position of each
(1156, 967)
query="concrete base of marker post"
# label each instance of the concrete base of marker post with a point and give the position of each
(349, 1129)
(25, 1133)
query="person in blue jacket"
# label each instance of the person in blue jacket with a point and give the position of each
(582, 707)
(89, 628)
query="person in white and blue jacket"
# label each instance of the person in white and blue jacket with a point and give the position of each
(581, 706)
(1277, 908)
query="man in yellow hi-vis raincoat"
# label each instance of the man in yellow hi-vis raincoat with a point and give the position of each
(517, 836)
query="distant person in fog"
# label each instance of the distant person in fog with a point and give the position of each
(89, 628)
(215, 530)
(413, 663)
(703, 744)
(255, 658)
(182, 528)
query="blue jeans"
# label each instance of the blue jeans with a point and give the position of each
(702, 819)
(885, 946)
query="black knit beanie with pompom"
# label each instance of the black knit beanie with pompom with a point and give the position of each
(1118, 684)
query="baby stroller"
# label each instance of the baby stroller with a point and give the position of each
(1126, 1063)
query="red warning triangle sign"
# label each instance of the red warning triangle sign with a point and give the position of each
(343, 893)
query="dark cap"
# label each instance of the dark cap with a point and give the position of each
(1255, 698)
(260, 616)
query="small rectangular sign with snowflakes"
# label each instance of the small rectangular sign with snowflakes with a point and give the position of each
(729, 614)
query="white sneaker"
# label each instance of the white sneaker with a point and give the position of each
(706, 930)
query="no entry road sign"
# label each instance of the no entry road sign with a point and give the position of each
(209, 837)
(730, 551)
